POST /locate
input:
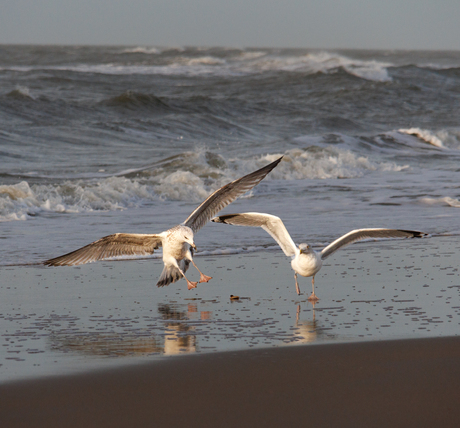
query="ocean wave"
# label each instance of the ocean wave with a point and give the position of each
(142, 50)
(424, 135)
(21, 201)
(20, 93)
(443, 140)
(208, 60)
(446, 201)
(326, 62)
(135, 100)
(246, 62)
(190, 176)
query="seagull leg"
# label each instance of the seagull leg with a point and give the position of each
(296, 284)
(313, 297)
(203, 277)
(190, 284)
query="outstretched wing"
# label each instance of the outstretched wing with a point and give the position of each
(361, 234)
(226, 195)
(270, 223)
(116, 245)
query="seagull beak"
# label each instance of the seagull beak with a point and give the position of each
(194, 247)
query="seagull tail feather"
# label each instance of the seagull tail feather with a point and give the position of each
(171, 274)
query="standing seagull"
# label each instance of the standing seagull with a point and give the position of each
(177, 242)
(304, 260)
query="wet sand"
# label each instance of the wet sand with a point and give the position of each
(57, 321)
(98, 345)
(402, 383)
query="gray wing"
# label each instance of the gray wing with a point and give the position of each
(361, 234)
(270, 223)
(226, 195)
(116, 245)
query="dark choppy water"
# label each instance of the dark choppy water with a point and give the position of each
(95, 140)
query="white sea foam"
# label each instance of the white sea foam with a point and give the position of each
(21, 200)
(143, 50)
(424, 135)
(21, 92)
(208, 60)
(325, 62)
(246, 63)
(191, 176)
(446, 200)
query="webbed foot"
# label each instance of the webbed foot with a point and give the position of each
(205, 278)
(191, 285)
(313, 298)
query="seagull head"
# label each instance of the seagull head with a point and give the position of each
(305, 248)
(188, 238)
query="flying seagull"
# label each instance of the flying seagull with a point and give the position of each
(177, 242)
(304, 260)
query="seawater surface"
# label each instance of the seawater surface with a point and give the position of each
(97, 140)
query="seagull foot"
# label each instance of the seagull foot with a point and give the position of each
(191, 285)
(312, 298)
(205, 278)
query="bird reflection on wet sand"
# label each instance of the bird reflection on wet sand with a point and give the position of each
(175, 330)
(178, 337)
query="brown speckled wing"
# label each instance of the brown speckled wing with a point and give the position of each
(116, 245)
(225, 196)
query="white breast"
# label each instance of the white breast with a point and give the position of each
(307, 264)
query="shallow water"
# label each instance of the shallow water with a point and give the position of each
(98, 140)
(56, 321)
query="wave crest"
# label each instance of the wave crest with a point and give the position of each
(244, 62)
(446, 200)
(190, 176)
(135, 100)
(326, 62)
(423, 135)
(20, 93)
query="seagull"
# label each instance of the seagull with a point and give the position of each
(178, 243)
(304, 260)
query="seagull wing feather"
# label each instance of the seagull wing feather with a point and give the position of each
(361, 234)
(270, 223)
(116, 245)
(225, 196)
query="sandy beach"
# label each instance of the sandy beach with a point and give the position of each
(373, 384)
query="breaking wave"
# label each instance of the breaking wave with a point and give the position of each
(134, 100)
(142, 50)
(423, 135)
(326, 62)
(20, 93)
(446, 201)
(190, 176)
(245, 62)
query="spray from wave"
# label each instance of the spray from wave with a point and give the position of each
(325, 62)
(190, 176)
(20, 93)
(446, 201)
(141, 50)
(423, 135)
(244, 62)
